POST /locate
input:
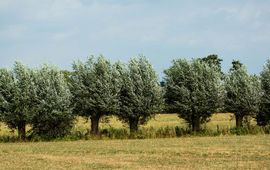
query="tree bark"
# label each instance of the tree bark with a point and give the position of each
(196, 125)
(133, 126)
(94, 125)
(239, 120)
(22, 131)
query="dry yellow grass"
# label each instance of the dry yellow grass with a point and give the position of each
(223, 152)
(172, 120)
(227, 152)
(223, 120)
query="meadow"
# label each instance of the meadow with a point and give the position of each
(190, 152)
(223, 152)
(162, 125)
(224, 120)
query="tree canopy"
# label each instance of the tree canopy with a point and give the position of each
(52, 116)
(193, 90)
(140, 94)
(17, 92)
(263, 116)
(95, 89)
(213, 61)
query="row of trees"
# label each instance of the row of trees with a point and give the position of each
(49, 99)
(131, 91)
(38, 97)
(198, 88)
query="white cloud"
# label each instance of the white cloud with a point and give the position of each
(123, 28)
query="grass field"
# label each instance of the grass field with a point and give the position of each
(220, 152)
(162, 120)
(227, 152)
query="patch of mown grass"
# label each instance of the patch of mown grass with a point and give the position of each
(223, 152)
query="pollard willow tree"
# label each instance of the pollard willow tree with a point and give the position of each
(263, 116)
(140, 94)
(16, 97)
(52, 116)
(95, 89)
(243, 93)
(193, 90)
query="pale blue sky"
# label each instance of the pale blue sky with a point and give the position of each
(61, 31)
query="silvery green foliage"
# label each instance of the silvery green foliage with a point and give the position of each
(193, 90)
(16, 95)
(37, 97)
(52, 116)
(95, 88)
(243, 92)
(6, 91)
(263, 116)
(140, 95)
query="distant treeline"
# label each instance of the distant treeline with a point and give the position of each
(49, 99)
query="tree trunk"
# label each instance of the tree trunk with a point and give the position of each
(133, 126)
(21, 131)
(196, 125)
(94, 125)
(239, 120)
